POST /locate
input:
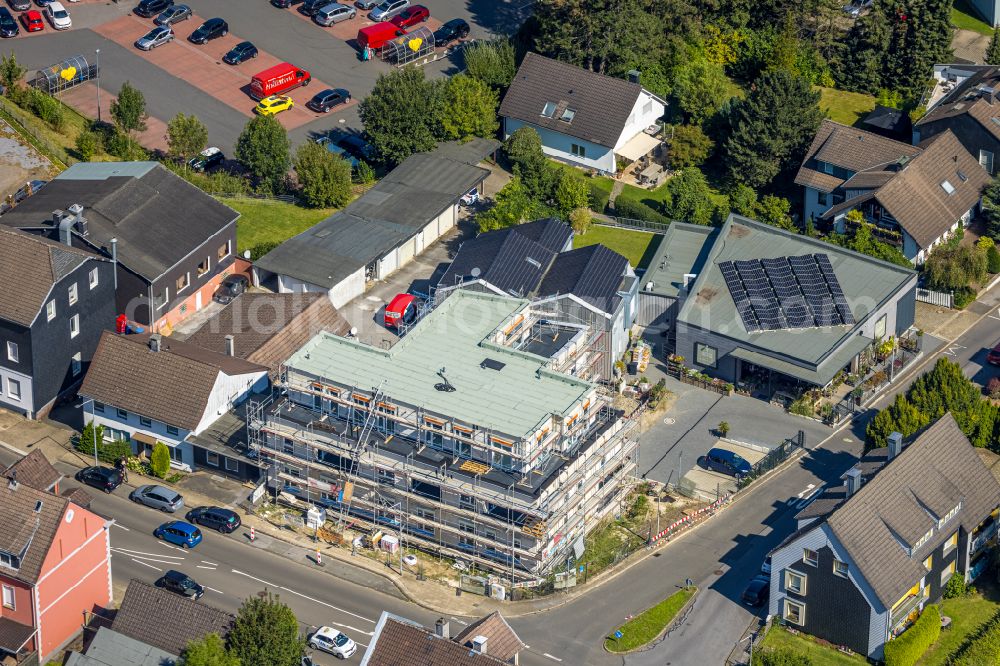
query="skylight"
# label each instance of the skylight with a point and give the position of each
(961, 176)
(567, 116)
(947, 187)
(549, 109)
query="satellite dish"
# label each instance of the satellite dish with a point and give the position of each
(475, 272)
(354, 331)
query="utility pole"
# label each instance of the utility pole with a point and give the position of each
(97, 52)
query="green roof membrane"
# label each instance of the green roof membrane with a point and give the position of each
(513, 400)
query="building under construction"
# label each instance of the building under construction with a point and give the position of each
(477, 436)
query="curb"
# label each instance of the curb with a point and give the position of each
(676, 620)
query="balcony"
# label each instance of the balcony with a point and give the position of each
(983, 538)
(898, 617)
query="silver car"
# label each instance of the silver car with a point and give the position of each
(334, 13)
(387, 9)
(174, 14)
(158, 36)
(158, 497)
(365, 4)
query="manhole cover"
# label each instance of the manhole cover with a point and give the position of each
(669, 421)
(717, 572)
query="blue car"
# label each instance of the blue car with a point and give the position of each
(179, 533)
(727, 462)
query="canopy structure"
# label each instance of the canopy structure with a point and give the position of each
(408, 48)
(66, 74)
(638, 146)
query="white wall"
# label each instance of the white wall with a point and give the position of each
(290, 285)
(646, 112)
(25, 403)
(558, 146)
(131, 425)
(230, 390)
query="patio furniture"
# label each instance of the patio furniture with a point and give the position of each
(651, 174)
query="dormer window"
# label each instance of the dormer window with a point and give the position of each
(549, 109)
(947, 187)
(922, 540)
(951, 514)
(567, 116)
(826, 167)
(9, 561)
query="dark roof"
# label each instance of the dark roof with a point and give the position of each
(29, 267)
(35, 470)
(157, 217)
(109, 648)
(502, 642)
(77, 495)
(268, 328)
(935, 473)
(166, 620)
(397, 208)
(13, 635)
(848, 148)
(888, 119)
(975, 97)
(593, 273)
(602, 104)
(172, 385)
(27, 530)
(401, 642)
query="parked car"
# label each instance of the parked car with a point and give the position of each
(377, 35)
(765, 566)
(216, 517)
(8, 26)
(273, 105)
(470, 198)
(993, 356)
(172, 15)
(412, 15)
(326, 100)
(757, 591)
(331, 146)
(180, 583)
(58, 16)
(158, 497)
(726, 462)
(355, 145)
(179, 533)
(32, 20)
(158, 36)
(333, 641)
(150, 8)
(386, 9)
(366, 4)
(284, 4)
(211, 29)
(207, 159)
(102, 478)
(19, 5)
(310, 7)
(334, 12)
(402, 309)
(450, 31)
(42, 3)
(240, 53)
(231, 287)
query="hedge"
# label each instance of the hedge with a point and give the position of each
(109, 451)
(983, 649)
(636, 210)
(912, 643)
(598, 198)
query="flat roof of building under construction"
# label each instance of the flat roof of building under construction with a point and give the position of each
(483, 384)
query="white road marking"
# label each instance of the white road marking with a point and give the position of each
(214, 590)
(304, 596)
(199, 566)
(139, 553)
(459, 621)
(121, 527)
(259, 580)
(546, 654)
(167, 545)
(146, 565)
(360, 631)
(207, 562)
(148, 559)
(808, 488)
(995, 316)
(953, 349)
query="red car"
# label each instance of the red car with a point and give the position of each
(411, 16)
(32, 21)
(993, 356)
(402, 309)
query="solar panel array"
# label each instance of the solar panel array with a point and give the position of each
(786, 292)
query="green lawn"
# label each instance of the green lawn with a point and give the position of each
(966, 18)
(647, 625)
(967, 615)
(818, 654)
(636, 246)
(844, 107)
(264, 221)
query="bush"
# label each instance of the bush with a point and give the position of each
(984, 649)
(909, 647)
(108, 452)
(160, 460)
(125, 147)
(44, 106)
(87, 144)
(993, 388)
(636, 210)
(964, 296)
(955, 587)
(259, 250)
(364, 173)
(598, 198)
(993, 259)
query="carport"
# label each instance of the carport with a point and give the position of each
(64, 75)
(409, 48)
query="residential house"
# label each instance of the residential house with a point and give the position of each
(889, 122)
(35, 470)
(398, 641)
(56, 302)
(172, 243)
(875, 551)
(383, 229)
(109, 648)
(583, 118)
(55, 567)
(480, 443)
(146, 388)
(165, 620)
(491, 635)
(914, 196)
(592, 285)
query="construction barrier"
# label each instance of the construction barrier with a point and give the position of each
(687, 521)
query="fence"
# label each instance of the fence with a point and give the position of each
(286, 198)
(936, 297)
(634, 225)
(775, 457)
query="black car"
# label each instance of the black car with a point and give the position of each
(284, 4)
(206, 159)
(8, 26)
(210, 29)
(150, 8)
(450, 31)
(231, 287)
(757, 591)
(325, 100)
(310, 7)
(19, 5)
(180, 583)
(102, 478)
(239, 53)
(216, 517)
(356, 146)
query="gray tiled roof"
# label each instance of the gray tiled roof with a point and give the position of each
(401, 642)
(967, 99)
(502, 642)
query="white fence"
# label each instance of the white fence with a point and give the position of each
(936, 297)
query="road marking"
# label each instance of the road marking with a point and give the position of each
(459, 621)
(214, 590)
(259, 580)
(808, 488)
(953, 350)
(139, 553)
(360, 631)
(199, 566)
(121, 527)
(146, 565)
(149, 559)
(994, 316)
(207, 562)
(167, 545)
(304, 596)
(546, 654)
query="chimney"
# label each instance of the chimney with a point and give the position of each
(57, 217)
(230, 346)
(689, 278)
(853, 477)
(12, 480)
(633, 76)
(441, 629)
(479, 644)
(895, 444)
(76, 210)
(154, 342)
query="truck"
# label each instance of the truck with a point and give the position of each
(278, 79)
(376, 36)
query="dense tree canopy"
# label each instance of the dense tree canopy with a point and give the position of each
(263, 149)
(266, 633)
(402, 115)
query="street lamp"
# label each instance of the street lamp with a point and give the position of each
(751, 637)
(97, 52)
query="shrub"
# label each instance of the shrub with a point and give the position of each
(259, 250)
(964, 296)
(364, 173)
(580, 220)
(993, 388)
(160, 460)
(984, 649)
(955, 587)
(636, 210)
(125, 147)
(598, 198)
(44, 106)
(108, 452)
(723, 428)
(87, 144)
(993, 259)
(912, 643)
(783, 656)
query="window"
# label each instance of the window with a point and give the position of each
(826, 167)
(929, 562)
(9, 561)
(175, 454)
(92, 278)
(924, 539)
(76, 364)
(947, 187)
(288, 446)
(579, 151)
(466, 526)
(50, 310)
(880, 327)
(810, 557)
(502, 460)
(122, 414)
(951, 514)
(182, 282)
(8, 597)
(986, 160)
(12, 351)
(466, 502)
(161, 299)
(549, 109)
(567, 115)
(204, 266)
(14, 388)
(74, 326)
(821, 198)
(223, 251)
(795, 582)
(705, 355)
(424, 514)
(794, 612)
(839, 568)
(145, 422)
(99, 407)
(232, 465)
(211, 458)
(948, 572)
(952, 542)
(171, 430)
(73, 294)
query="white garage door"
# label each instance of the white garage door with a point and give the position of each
(406, 252)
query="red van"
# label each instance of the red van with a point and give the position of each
(375, 36)
(402, 309)
(276, 80)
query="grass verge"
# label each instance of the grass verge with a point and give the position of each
(265, 221)
(636, 246)
(844, 107)
(650, 623)
(964, 17)
(819, 654)
(967, 615)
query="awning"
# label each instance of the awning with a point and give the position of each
(14, 635)
(820, 376)
(639, 145)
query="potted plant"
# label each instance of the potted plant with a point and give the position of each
(643, 384)
(722, 428)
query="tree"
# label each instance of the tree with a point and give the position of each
(129, 110)
(491, 61)
(689, 146)
(863, 240)
(538, 175)
(993, 50)
(469, 108)
(511, 206)
(262, 148)
(690, 197)
(771, 128)
(901, 416)
(402, 114)
(743, 200)
(159, 460)
(209, 651)
(701, 88)
(266, 633)
(325, 178)
(775, 211)
(571, 193)
(11, 73)
(87, 144)
(951, 268)
(993, 259)
(92, 433)
(186, 136)
(580, 219)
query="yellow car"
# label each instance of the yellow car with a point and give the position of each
(269, 106)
